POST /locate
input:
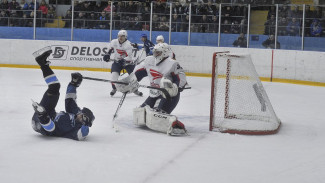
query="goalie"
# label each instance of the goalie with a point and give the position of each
(163, 72)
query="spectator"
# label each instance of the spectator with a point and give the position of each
(184, 26)
(270, 26)
(235, 27)
(227, 14)
(164, 24)
(315, 28)
(23, 22)
(270, 43)
(211, 8)
(176, 23)
(4, 6)
(108, 8)
(51, 13)
(295, 13)
(13, 5)
(204, 24)
(272, 11)
(243, 26)
(99, 7)
(284, 11)
(241, 41)
(282, 27)
(23, 6)
(137, 24)
(67, 18)
(214, 26)
(293, 27)
(159, 7)
(4, 18)
(177, 8)
(103, 20)
(43, 7)
(226, 27)
(79, 22)
(92, 21)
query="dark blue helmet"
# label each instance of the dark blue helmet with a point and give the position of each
(144, 35)
(87, 116)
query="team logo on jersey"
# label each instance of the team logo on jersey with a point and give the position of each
(155, 74)
(122, 52)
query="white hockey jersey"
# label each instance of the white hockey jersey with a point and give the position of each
(122, 51)
(167, 68)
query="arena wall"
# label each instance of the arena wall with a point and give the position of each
(306, 67)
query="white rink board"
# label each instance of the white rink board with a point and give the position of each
(287, 64)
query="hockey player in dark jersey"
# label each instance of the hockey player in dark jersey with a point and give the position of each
(75, 122)
(147, 44)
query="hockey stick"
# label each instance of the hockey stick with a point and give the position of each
(115, 126)
(123, 83)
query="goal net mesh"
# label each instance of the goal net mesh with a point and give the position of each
(239, 103)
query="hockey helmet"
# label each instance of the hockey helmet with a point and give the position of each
(87, 116)
(160, 51)
(123, 33)
(144, 35)
(160, 39)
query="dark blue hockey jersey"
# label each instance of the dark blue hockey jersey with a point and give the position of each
(65, 124)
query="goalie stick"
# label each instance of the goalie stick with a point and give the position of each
(115, 126)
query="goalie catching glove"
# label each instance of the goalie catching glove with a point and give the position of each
(132, 85)
(171, 87)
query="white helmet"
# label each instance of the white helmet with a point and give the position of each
(123, 33)
(160, 39)
(160, 51)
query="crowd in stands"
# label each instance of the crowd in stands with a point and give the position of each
(21, 14)
(135, 15)
(290, 21)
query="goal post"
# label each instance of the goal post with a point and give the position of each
(239, 103)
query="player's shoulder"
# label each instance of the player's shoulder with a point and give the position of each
(150, 60)
(114, 42)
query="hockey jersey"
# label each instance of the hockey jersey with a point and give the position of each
(122, 51)
(168, 68)
(65, 124)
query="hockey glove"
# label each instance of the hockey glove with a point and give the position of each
(107, 57)
(171, 87)
(76, 79)
(131, 87)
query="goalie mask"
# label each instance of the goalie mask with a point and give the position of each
(87, 117)
(160, 52)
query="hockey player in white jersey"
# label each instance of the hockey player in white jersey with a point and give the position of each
(163, 72)
(160, 39)
(122, 49)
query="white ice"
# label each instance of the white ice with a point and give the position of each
(294, 155)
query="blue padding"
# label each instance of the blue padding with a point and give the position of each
(51, 79)
(71, 89)
(177, 38)
(84, 130)
(49, 127)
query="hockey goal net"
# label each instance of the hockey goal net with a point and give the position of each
(239, 103)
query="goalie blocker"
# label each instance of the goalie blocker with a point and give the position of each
(158, 121)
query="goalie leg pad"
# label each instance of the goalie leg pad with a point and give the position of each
(139, 116)
(157, 121)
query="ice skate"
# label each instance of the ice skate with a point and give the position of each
(40, 110)
(177, 128)
(113, 92)
(137, 92)
(41, 56)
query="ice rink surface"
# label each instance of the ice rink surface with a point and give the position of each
(137, 155)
